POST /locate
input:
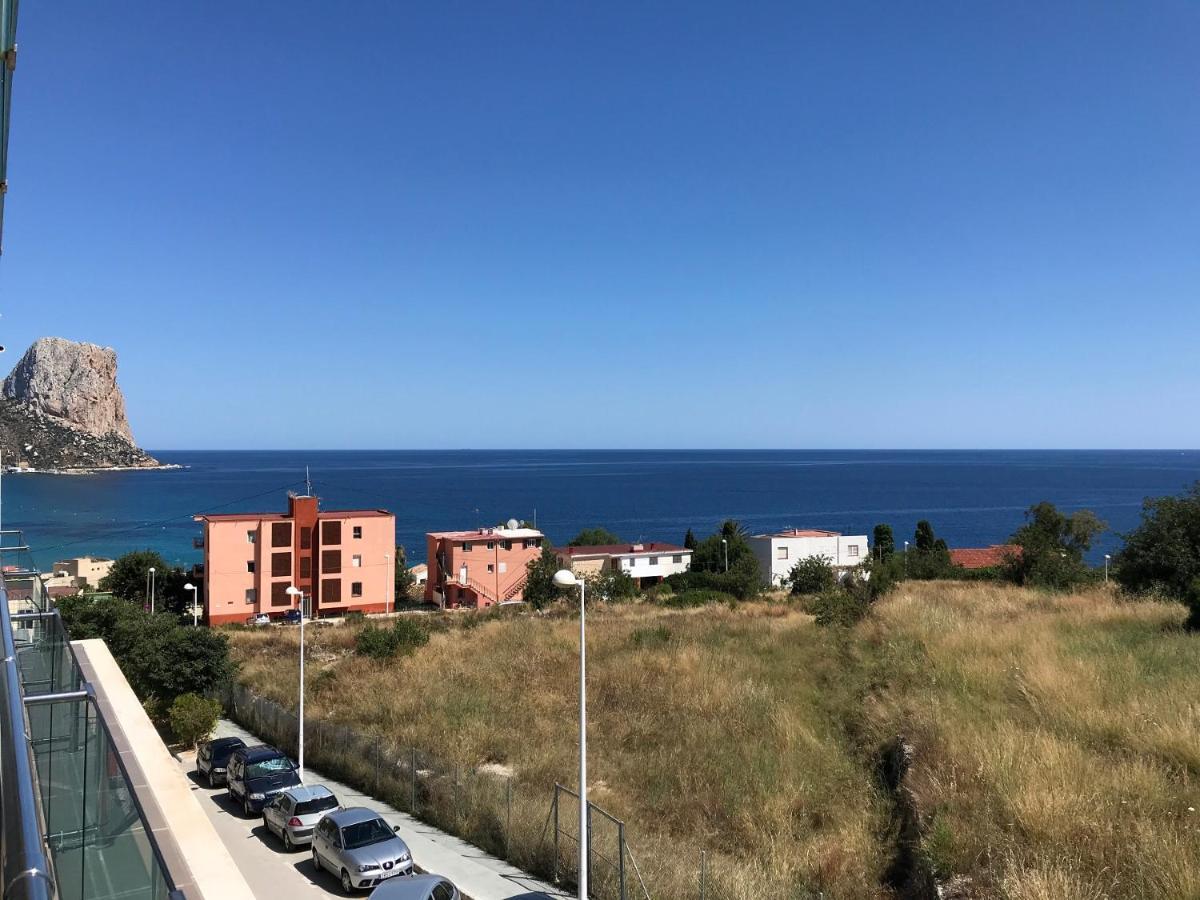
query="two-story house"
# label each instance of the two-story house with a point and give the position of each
(646, 563)
(481, 567)
(779, 552)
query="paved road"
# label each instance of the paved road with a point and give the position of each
(272, 873)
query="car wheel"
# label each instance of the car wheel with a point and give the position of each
(347, 884)
(211, 785)
(316, 861)
(246, 810)
(287, 841)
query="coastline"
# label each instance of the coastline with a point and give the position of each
(90, 470)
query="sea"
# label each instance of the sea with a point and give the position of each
(972, 498)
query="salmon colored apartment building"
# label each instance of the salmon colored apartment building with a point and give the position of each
(481, 567)
(343, 561)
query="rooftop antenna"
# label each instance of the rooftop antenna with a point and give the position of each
(307, 483)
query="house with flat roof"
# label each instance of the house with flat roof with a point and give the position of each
(646, 563)
(343, 560)
(479, 568)
(83, 571)
(779, 552)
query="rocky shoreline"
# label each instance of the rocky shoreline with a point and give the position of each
(90, 470)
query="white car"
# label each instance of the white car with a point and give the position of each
(258, 619)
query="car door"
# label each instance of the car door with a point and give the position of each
(321, 839)
(202, 759)
(273, 814)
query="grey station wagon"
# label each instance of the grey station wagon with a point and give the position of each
(360, 848)
(295, 813)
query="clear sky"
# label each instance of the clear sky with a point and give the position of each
(520, 224)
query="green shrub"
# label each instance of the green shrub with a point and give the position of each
(193, 718)
(692, 598)
(812, 575)
(405, 636)
(409, 634)
(839, 608)
(660, 591)
(354, 616)
(657, 636)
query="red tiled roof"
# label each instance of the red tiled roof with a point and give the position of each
(622, 549)
(983, 557)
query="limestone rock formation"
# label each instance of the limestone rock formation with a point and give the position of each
(62, 409)
(72, 381)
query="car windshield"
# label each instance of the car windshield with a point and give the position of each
(266, 767)
(320, 804)
(363, 833)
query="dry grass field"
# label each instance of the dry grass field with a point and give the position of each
(1053, 739)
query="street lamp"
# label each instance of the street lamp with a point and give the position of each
(725, 551)
(1107, 557)
(906, 559)
(294, 591)
(566, 578)
(152, 589)
(195, 601)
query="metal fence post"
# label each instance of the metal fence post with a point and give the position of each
(703, 857)
(413, 807)
(587, 839)
(621, 857)
(508, 819)
(378, 767)
(456, 801)
(556, 833)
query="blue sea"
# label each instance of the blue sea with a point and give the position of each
(972, 497)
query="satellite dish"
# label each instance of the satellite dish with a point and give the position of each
(513, 524)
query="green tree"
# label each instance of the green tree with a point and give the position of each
(611, 585)
(593, 537)
(689, 540)
(884, 540)
(923, 538)
(743, 578)
(812, 575)
(193, 718)
(1052, 547)
(1162, 555)
(405, 581)
(129, 579)
(929, 556)
(163, 659)
(540, 589)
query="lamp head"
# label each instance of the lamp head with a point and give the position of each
(565, 578)
(152, 570)
(189, 587)
(293, 591)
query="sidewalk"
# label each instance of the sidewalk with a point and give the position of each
(479, 875)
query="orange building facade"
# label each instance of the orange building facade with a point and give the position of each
(343, 561)
(479, 568)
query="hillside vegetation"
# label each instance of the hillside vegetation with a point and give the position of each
(1003, 742)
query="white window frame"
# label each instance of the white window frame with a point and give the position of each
(781, 552)
(356, 561)
(251, 596)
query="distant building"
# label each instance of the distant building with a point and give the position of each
(646, 563)
(481, 567)
(778, 553)
(83, 571)
(419, 573)
(343, 561)
(983, 557)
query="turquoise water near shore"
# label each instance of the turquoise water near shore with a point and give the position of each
(972, 497)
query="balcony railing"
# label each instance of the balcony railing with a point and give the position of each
(74, 828)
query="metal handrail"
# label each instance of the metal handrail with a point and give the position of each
(28, 873)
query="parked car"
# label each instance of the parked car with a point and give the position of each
(258, 619)
(419, 887)
(212, 758)
(360, 848)
(292, 617)
(295, 813)
(256, 774)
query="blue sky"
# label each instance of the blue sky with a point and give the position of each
(616, 225)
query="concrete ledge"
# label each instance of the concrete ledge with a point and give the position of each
(204, 870)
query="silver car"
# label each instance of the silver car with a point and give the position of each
(419, 887)
(360, 848)
(295, 813)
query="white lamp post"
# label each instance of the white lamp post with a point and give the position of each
(195, 601)
(1107, 557)
(725, 551)
(566, 578)
(906, 558)
(294, 591)
(152, 589)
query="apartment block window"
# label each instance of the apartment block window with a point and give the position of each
(250, 536)
(251, 595)
(632, 562)
(781, 552)
(250, 566)
(356, 589)
(281, 534)
(466, 547)
(503, 567)
(331, 590)
(331, 532)
(356, 561)
(506, 545)
(491, 545)
(331, 562)
(491, 569)
(654, 560)
(306, 567)
(305, 538)
(852, 549)
(356, 532)
(281, 565)
(279, 594)
(677, 560)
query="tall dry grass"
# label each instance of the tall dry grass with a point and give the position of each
(708, 730)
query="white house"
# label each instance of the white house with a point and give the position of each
(647, 563)
(778, 553)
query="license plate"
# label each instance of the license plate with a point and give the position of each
(387, 874)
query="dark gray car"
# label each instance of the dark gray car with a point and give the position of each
(360, 848)
(419, 887)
